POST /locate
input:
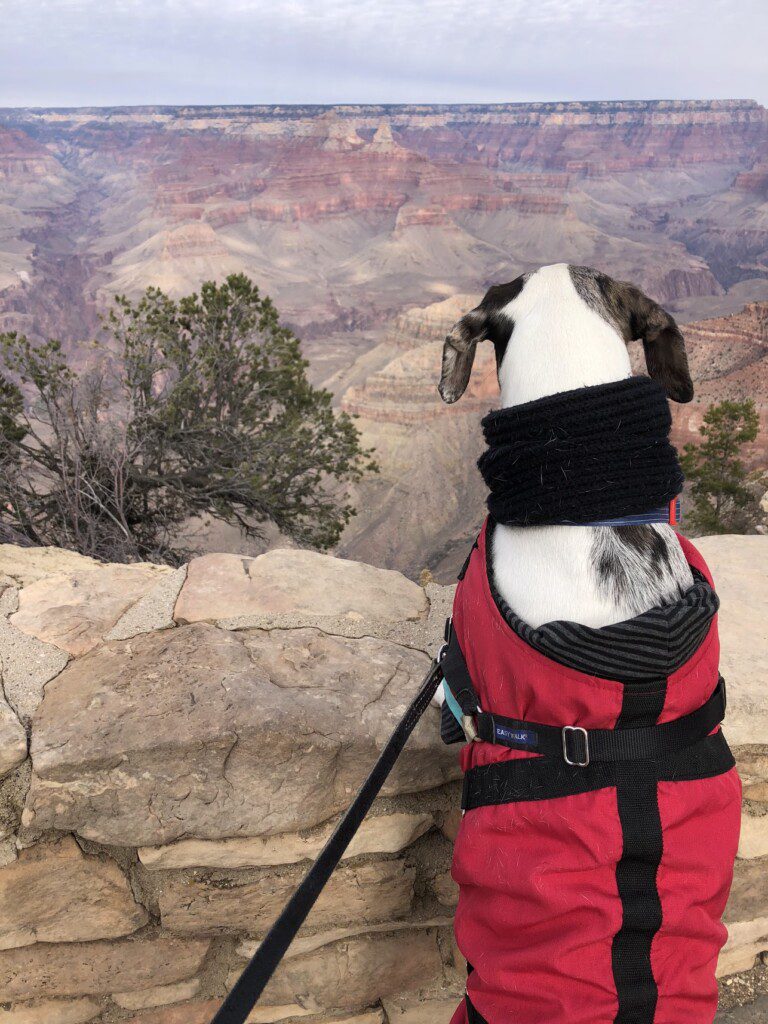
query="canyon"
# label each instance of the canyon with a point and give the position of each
(374, 227)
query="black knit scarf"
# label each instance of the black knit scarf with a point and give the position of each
(594, 453)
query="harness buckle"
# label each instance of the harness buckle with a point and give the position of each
(577, 761)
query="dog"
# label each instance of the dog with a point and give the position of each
(601, 802)
(559, 328)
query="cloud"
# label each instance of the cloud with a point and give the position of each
(83, 52)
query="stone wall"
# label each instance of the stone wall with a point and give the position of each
(175, 746)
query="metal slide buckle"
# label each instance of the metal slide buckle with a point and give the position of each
(572, 729)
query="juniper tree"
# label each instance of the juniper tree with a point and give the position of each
(193, 407)
(722, 501)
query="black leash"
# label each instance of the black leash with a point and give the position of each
(254, 979)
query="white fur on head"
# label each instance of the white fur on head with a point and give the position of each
(559, 343)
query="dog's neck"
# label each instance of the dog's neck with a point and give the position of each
(592, 575)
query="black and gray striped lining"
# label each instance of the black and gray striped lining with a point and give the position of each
(641, 650)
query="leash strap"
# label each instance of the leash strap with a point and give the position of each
(253, 980)
(573, 744)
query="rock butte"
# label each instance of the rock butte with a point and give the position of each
(181, 777)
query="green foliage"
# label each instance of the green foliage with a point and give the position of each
(722, 502)
(193, 407)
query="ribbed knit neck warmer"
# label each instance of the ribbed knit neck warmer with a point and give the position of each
(593, 453)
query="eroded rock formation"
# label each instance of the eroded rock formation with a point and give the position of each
(350, 214)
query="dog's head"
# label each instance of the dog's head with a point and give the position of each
(558, 306)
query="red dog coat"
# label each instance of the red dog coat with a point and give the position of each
(589, 895)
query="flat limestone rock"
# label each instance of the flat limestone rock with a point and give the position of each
(431, 1011)
(28, 565)
(73, 611)
(13, 739)
(386, 833)
(189, 1013)
(197, 731)
(746, 941)
(159, 995)
(309, 943)
(366, 893)
(90, 969)
(749, 893)
(352, 975)
(753, 840)
(371, 1017)
(52, 1011)
(739, 566)
(753, 769)
(201, 1013)
(294, 581)
(272, 1014)
(54, 893)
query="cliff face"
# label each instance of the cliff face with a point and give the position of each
(353, 213)
(176, 746)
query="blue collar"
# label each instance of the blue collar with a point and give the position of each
(666, 514)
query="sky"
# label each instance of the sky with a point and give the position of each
(126, 52)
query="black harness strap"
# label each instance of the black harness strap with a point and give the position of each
(544, 778)
(252, 982)
(573, 744)
(581, 746)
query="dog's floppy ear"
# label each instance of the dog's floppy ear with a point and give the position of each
(459, 354)
(664, 346)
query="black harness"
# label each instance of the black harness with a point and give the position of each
(573, 744)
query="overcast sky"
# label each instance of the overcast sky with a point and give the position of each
(108, 52)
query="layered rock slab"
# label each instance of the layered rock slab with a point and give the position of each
(51, 1011)
(202, 732)
(385, 833)
(73, 611)
(294, 581)
(47, 971)
(13, 739)
(741, 580)
(53, 893)
(356, 973)
(368, 893)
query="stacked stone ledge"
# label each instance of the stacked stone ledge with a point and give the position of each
(175, 746)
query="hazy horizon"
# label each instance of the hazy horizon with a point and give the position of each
(385, 104)
(80, 53)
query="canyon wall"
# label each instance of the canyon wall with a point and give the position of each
(175, 746)
(347, 215)
(372, 228)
